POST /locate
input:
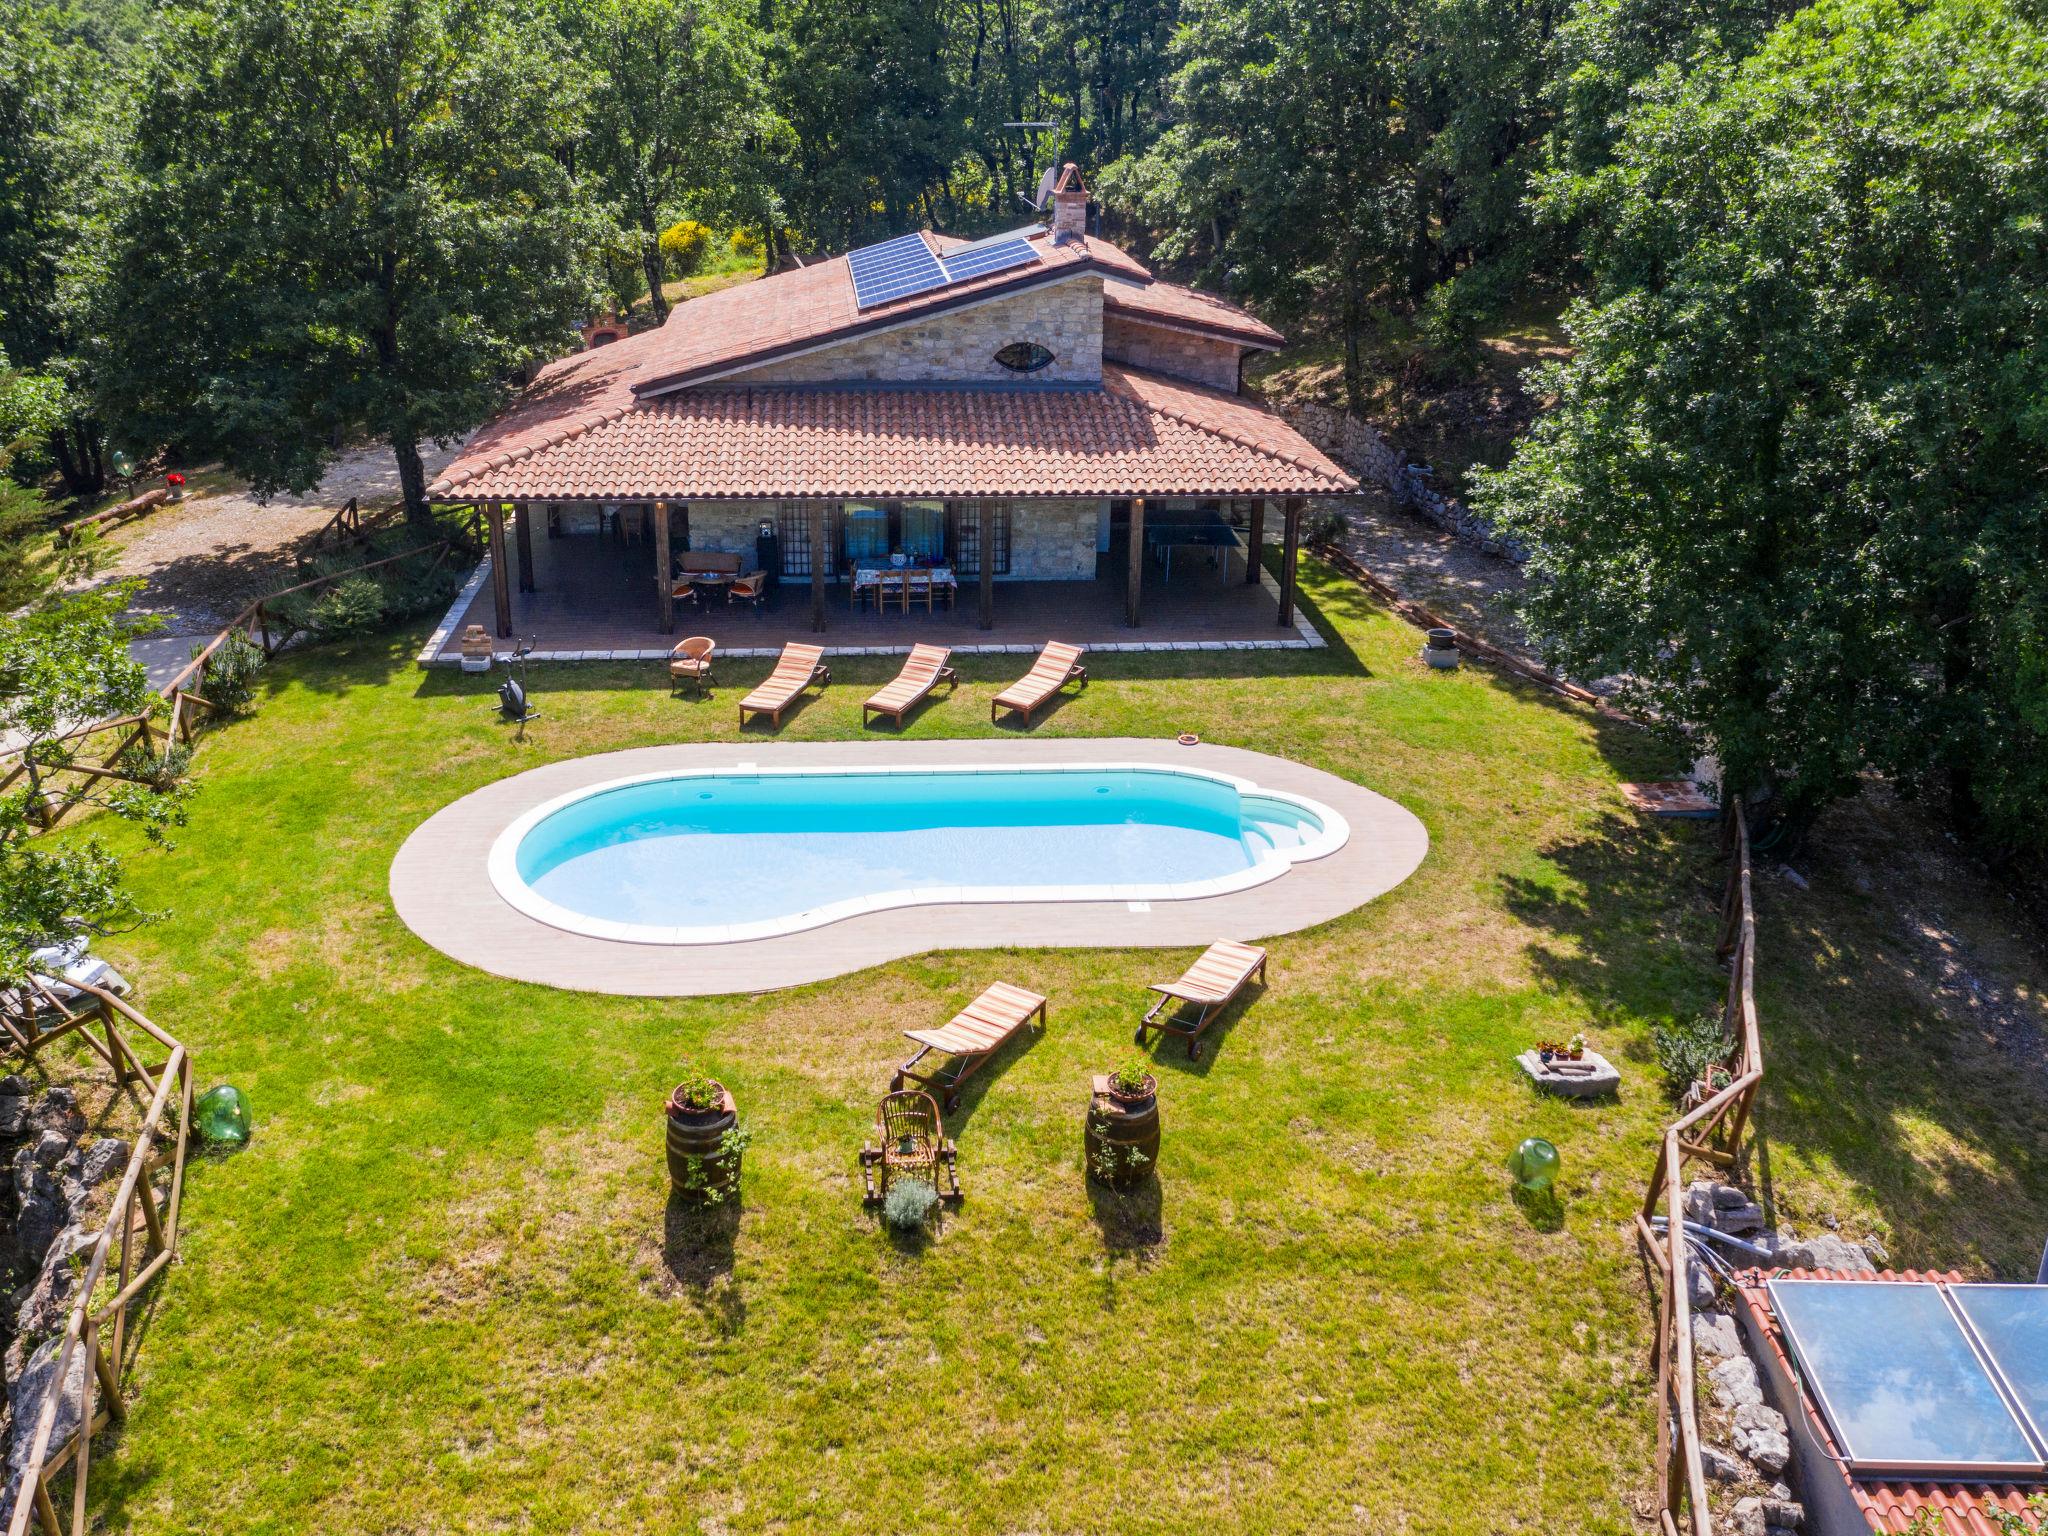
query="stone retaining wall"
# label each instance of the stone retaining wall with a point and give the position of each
(1359, 446)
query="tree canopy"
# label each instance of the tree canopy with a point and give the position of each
(1795, 486)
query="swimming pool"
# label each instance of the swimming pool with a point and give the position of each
(718, 856)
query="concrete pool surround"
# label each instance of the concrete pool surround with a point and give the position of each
(456, 885)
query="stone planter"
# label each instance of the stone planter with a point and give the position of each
(1440, 649)
(1122, 1137)
(476, 649)
(699, 1167)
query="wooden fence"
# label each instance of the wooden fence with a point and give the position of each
(64, 786)
(1711, 1134)
(133, 1247)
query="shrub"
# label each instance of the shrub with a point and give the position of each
(359, 604)
(748, 243)
(231, 675)
(351, 607)
(684, 246)
(909, 1205)
(1687, 1049)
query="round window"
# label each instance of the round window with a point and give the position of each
(1024, 357)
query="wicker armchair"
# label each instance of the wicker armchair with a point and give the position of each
(910, 1142)
(690, 662)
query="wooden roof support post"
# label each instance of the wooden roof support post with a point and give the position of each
(1287, 561)
(523, 533)
(664, 567)
(1134, 578)
(819, 555)
(501, 586)
(986, 511)
(1255, 543)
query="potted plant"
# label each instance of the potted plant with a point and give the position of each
(1576, 1048)
(705, 1140)
(1546, 1051)
(1121, 1140)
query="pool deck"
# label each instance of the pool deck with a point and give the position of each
(441, 886)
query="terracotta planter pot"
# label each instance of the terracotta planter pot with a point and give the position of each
(696, 1140)
(1122, 1139)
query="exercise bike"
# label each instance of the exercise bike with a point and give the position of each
(513, 705)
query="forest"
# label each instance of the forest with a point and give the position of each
(1787, 484)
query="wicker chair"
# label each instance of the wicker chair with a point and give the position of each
(910, 1143)
(690, 662)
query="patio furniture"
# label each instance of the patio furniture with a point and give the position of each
(1203, 991)
(690, 662)
(1057, 665)
(910, 1142)
(970, 1037)
(749, 588)
(1199, 530)
(924, 669)
(795, 670)
(885, 581)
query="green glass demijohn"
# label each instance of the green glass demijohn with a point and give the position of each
(222, 1116)
(1534, 1164)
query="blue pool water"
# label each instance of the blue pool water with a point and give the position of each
(715, 850)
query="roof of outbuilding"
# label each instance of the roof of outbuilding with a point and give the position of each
(1139, 435)
(1889, 1504)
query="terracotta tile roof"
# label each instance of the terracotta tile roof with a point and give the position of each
(1888, 1504)
(1138, 435)
(751, 323)
(1172, 304)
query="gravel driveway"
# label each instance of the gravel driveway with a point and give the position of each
(211, 555)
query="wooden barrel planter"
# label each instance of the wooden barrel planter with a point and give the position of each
(1122, 1138)
(698, 1164)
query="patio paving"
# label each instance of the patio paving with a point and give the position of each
(596, 601)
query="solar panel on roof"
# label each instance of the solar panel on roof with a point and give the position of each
(1896, 1377)
(894, 269)
(2011, 1321)
(980, 260)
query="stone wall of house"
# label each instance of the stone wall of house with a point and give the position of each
(960, 346)
(728, 525)
(1053, 540)
(1156, 349)
(1360, 447)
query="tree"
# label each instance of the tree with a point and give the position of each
(348, 215)
(678, 117)
(60, 116)
(1795, 486)
(31, 407)
(63, 662)
(874, 123)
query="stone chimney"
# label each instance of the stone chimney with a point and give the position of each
(1069, 206)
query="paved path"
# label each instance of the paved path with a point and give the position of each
(1429, 566)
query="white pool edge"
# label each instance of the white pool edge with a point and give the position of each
(502, 863)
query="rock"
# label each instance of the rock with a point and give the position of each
(1791, 876)
(13, 1115)
(1746, 1518)
(1727, 1197)
(40, 1214)
(1699, 1204)
(1714, 1333)
(1735, 1383)
(58, 1111)
(1779, 1530)
(50, 1148)
(1720, 1466)
(1785, 1513)
(25, 1402)
(42, 1307)
(105, 1158)
(1825, 1251)
(15, 1086)
(1873, 1246)
(1736, 1220)
(1699, 1282)
(1760, 1435)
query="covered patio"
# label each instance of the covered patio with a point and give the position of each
(582, 585)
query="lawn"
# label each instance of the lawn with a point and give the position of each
(442, 1290)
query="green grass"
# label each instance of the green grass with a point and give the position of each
(441, 1291)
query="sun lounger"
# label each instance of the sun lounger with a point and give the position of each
(795, 670)
(1057, 665)
(922, 671)
(970, 1037)
(1203, 991)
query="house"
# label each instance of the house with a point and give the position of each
(1035, 409)
(1907, 1397)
